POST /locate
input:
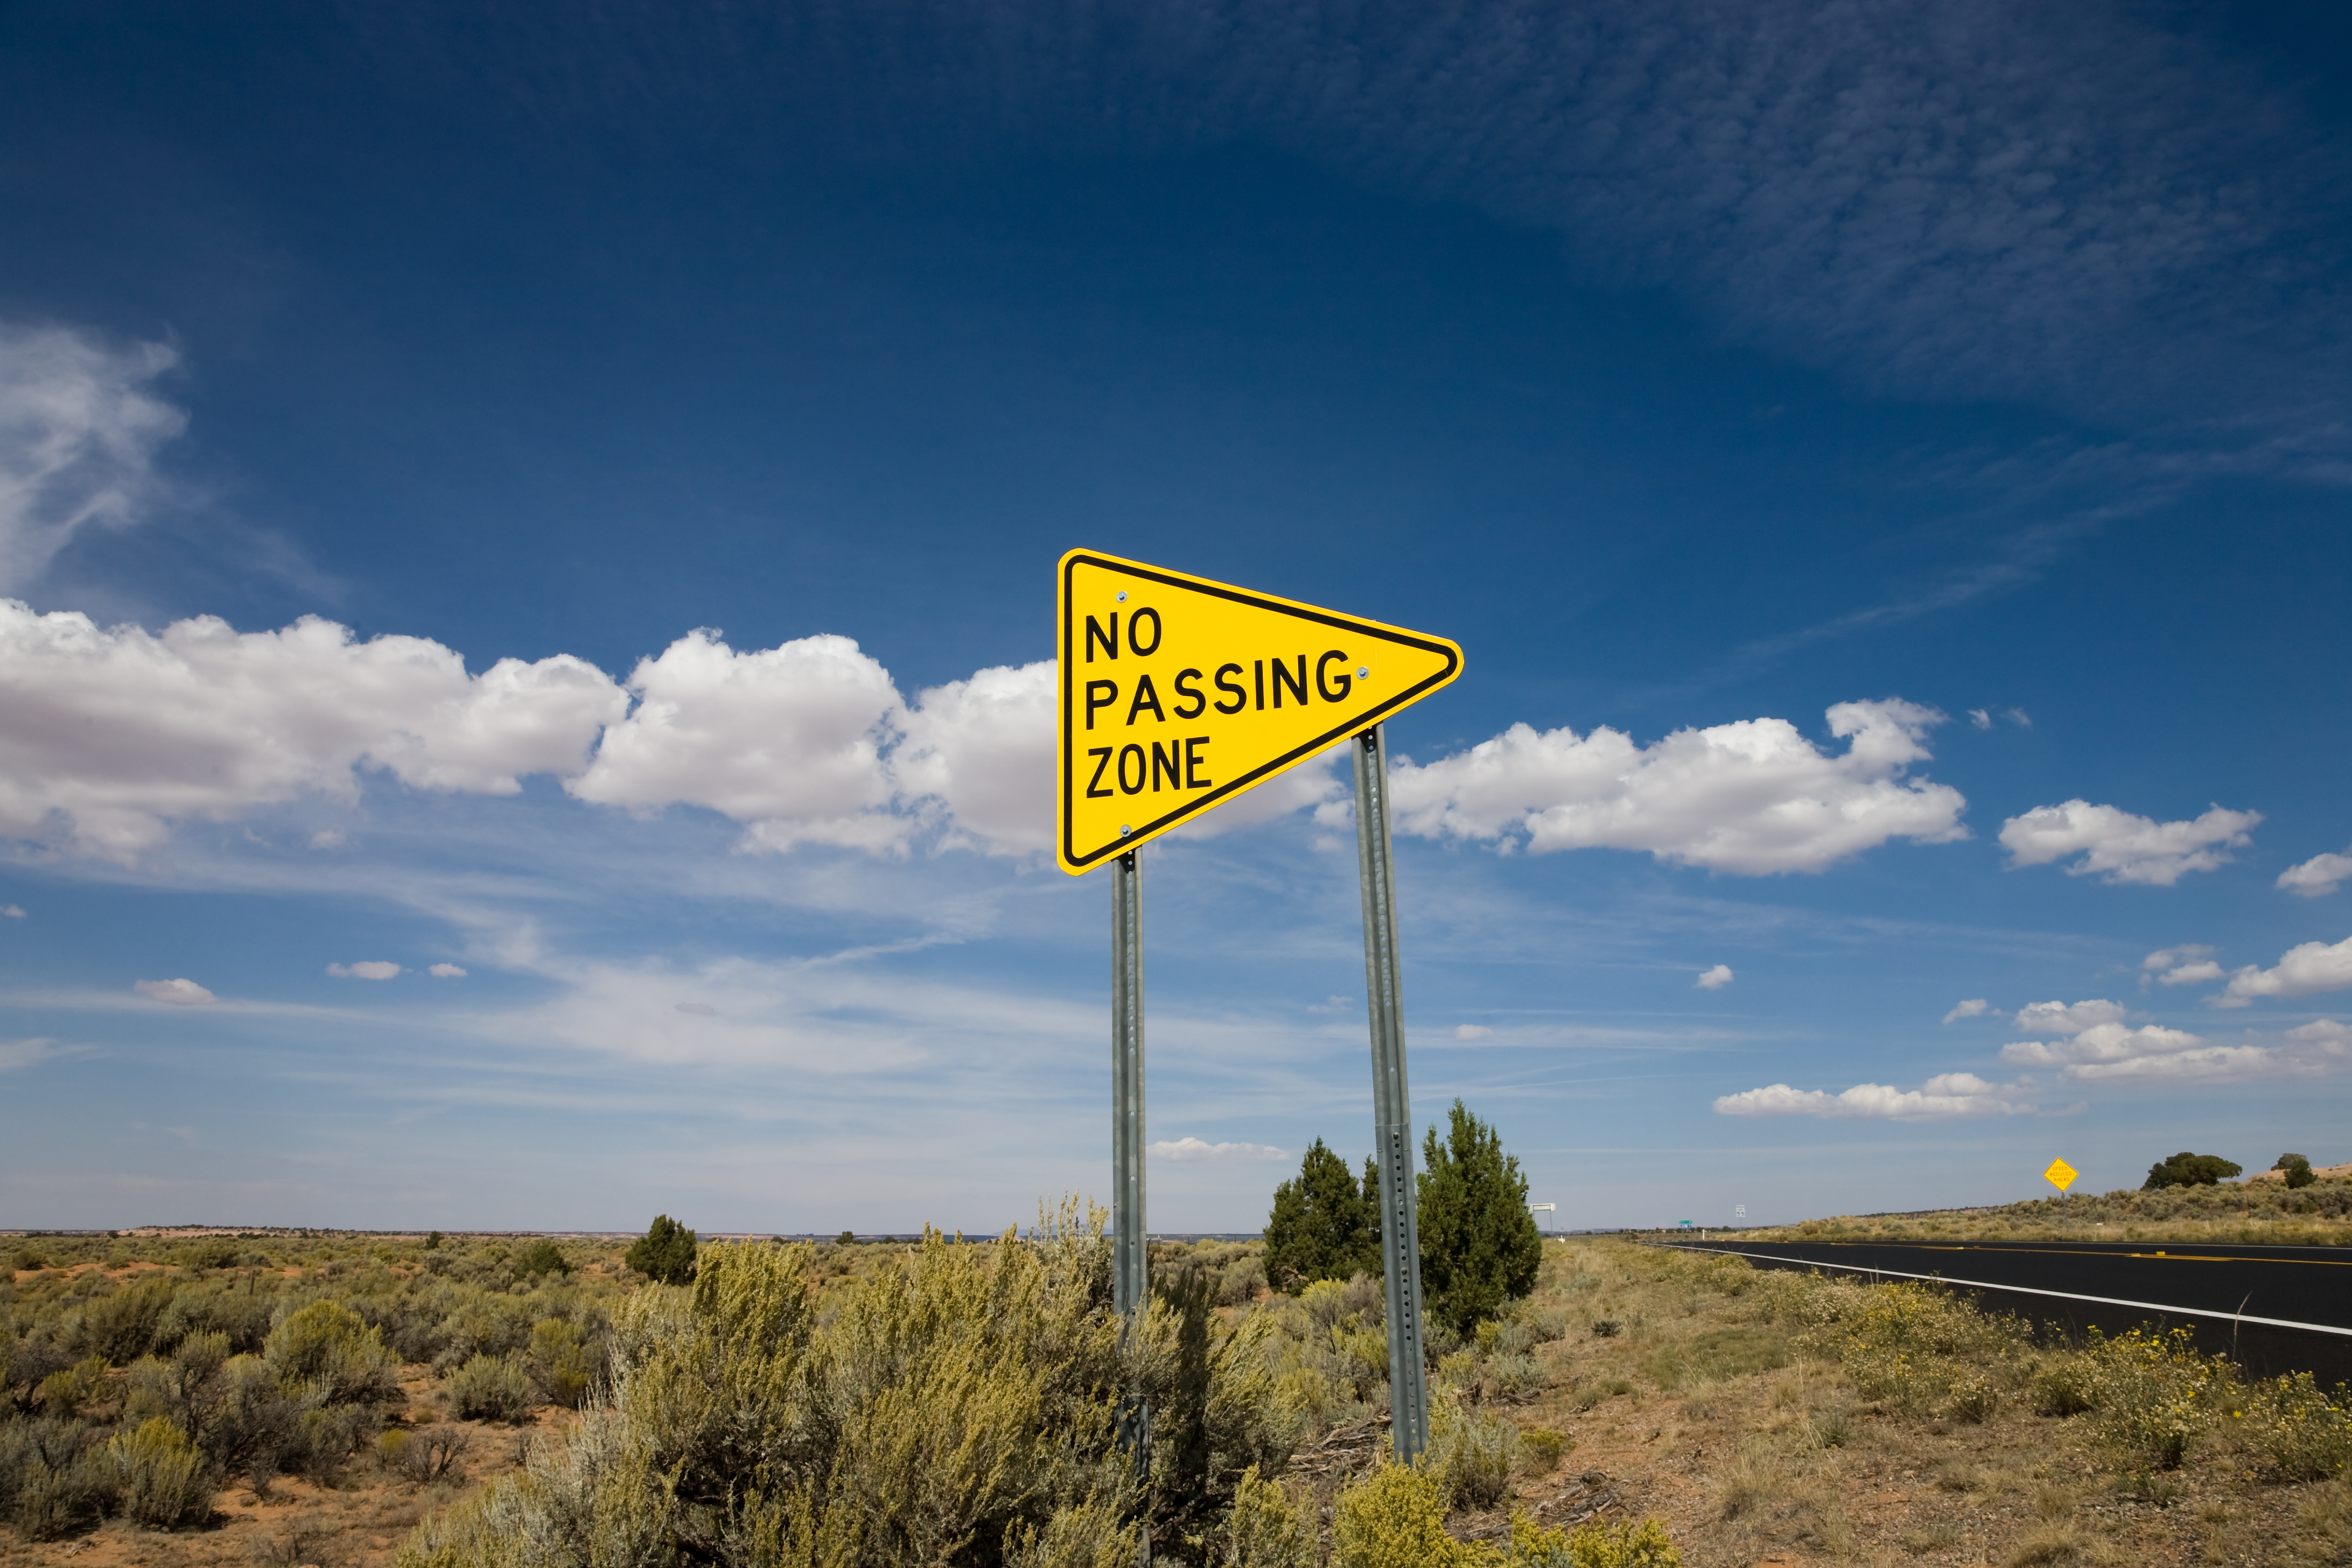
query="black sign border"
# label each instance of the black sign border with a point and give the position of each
(1354, 726)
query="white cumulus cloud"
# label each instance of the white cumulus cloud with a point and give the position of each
(365, 969)
(78, 428)
(2067, 1017)
(2118, 846)
(11, 913)
(2301, 971)
(1946, 1094)
(984, 749)
(1715, 979)
(1754, 797)
(1974, 1008)
(447, 972)
(2316, 877)
(1195, 1150)
(2101, 1045)
(788, 739)
(107, 734)
(178, 993)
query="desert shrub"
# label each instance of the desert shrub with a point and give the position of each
(1515, 1377)
(1971, 1398)
(1911, 1347)
(543, 1256)
(479, 1325)
(2297, 1169)
(953, 1404)
(1393, 1518)
(1470, 1455)
(1540, 1448)
(1479, 1244)
(73, 1390)
(121, 1327)
(2295, 1432)
(2152, 1394)
(1264, 1529)
(251, 1420)
(324, 1437)
(210, 1252)
(558, 1361)
(492, 1388)
(665, 1254)
(1324, 1224)
(1543, 1324)
(329, 1347)
(1623, 1545)
(1240, 1280)
(18, 1454)
(56, 1480)
(425, 1455)
(160, 1478)
(1606, 1328)
(1090, 1534)
(2066, 1386)
(218, 1307)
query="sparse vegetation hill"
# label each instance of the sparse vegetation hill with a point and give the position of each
(2317, 1213)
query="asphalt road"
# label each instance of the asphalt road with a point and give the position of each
(2276, 1309)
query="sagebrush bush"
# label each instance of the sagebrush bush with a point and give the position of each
(1264, 1529)
(1470, 1455)
(160, 1478)
(1393, 1518)
(329, 1348)
(491, 1388)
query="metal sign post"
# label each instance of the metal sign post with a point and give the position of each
(1129, 1281)
(1391, 1102)
(1127, 1277)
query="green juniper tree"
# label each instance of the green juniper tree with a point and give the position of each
(665, 1254)
(543, 1256)
(2188, 1170)
(1324, 1225)
(1479, 1246)
(2298, 1170)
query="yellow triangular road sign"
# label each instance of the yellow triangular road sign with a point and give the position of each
(1179, 693)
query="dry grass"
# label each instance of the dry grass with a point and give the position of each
(1845, 1451)
(1764, 1418)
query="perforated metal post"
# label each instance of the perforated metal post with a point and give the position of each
(1129, 1282)
(1392, 1103)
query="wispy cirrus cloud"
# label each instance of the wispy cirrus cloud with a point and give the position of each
(80, 426)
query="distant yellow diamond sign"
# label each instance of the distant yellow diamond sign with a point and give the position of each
(1178, 693)
(2060, 1174)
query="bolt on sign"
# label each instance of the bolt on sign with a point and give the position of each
(1179, 693)
(2060, 1174)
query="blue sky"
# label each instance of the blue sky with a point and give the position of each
(528, 557)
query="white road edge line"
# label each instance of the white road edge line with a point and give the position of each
(2026, 1290)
